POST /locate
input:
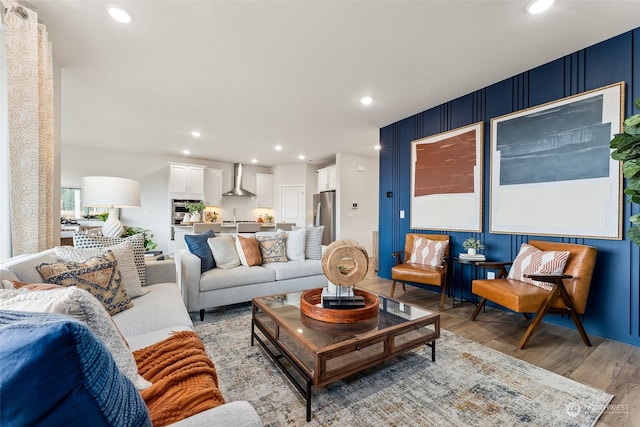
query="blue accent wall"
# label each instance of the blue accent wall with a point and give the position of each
(613, 309)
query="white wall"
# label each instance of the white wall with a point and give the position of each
(361, 187)
(152, 171)
(294, 174)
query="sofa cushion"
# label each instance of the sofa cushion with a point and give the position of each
(124, 255)
(81, 306)
(248, 250)
(143, 318)
(137, 240)
(272, 248)
(294, 242)
(98, 275)
(295, 269)
(24, 266)
(224, 251)
(531, 260)
(312, 241)
(428, 252)
(62, 375)
(198, 245)
(239, 276)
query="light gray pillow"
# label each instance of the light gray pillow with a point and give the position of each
(124, 256)
(313, 242)
(294, 243)
(224, 251)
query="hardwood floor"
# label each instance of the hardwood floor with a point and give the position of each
(608, 365)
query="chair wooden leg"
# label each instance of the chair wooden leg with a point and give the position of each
(403, 287)
(539, 315)
(574, 316)
(444, 291)
(393, 288)
(479, 308)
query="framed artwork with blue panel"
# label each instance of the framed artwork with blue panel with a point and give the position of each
(446, 180)
(551, 169)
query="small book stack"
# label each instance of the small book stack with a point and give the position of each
(476, 257)
(343, 299)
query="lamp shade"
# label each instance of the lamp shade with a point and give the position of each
(110, 192)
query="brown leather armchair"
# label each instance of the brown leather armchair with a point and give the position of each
(419, 273)
(568, 295)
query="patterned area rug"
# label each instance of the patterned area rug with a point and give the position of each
(469, 384)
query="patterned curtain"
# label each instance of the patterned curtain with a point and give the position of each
(29, 74)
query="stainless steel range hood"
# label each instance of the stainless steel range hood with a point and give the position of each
(237, 189)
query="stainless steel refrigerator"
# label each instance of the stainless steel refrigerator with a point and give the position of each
(324, 213)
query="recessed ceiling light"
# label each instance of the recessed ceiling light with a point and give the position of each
(538, 6)
(195, 133)
(278, 148)
(366, 100)
(119, 14)
(254, 160)
(186, 152)
(301, 157)
(377, 147)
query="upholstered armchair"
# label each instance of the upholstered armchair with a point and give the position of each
(423, 261)
(546, 277)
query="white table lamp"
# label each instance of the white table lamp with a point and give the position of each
(110, 192)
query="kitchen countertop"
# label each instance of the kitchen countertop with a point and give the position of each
(227, 226)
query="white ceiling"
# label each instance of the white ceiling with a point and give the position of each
(253, 74)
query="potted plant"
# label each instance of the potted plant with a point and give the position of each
(195, 209)
(472, 245)
(149, 244)
(626, 149)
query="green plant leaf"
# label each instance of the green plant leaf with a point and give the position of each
(635, 218)
(637, 104)
(634, 234)
(632, 125)
(630, 168)
(626, 141)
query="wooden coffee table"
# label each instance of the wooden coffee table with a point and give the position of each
(311, 352)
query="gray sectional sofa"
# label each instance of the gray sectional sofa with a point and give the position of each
(219, 287)
(299, 270)
(153, 317)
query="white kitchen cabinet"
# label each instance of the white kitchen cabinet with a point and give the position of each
(264, 190)
(213, 187)
(186, 182)
(326, 179)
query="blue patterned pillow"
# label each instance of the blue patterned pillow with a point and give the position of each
(197, 244)
(60, 364)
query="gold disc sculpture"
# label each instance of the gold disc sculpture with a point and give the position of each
(345, 263)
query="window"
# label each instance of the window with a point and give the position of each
(71, 205)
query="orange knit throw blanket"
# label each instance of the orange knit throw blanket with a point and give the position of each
(184, 378)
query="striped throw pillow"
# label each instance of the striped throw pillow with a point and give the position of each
(531, 260)
(428, 252)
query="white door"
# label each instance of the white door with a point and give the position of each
(292, 204)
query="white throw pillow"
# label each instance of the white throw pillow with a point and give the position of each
(312, 242)
(82, 306)
(294, 242)
(124, 255)
(224, 251)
